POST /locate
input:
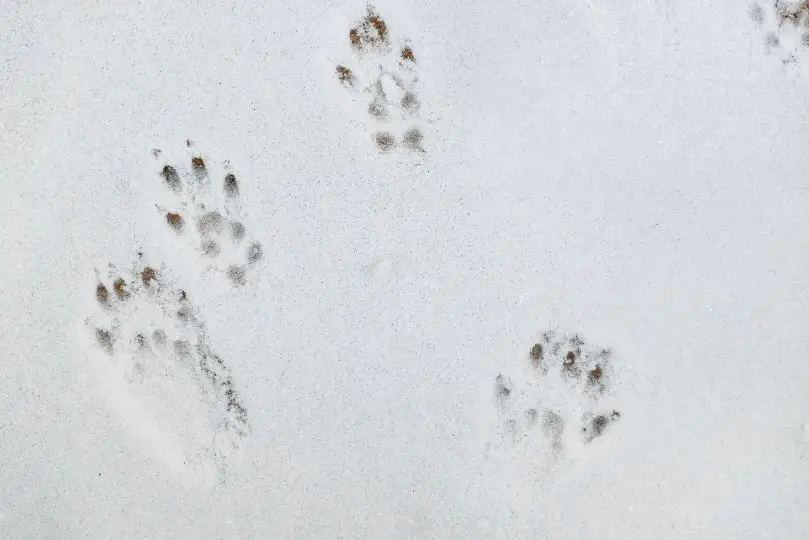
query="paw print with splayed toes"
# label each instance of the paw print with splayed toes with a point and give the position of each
(553, 400)
(384, 73)
(202, 206)
(148, 345)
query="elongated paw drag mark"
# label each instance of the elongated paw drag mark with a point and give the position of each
(151, 348)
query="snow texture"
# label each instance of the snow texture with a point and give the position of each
(409, 270)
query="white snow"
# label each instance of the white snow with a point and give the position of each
(635, 174)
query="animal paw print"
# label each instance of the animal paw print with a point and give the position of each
(204, 209)
(386, 74)
(152, 354)
(786, 29)
(564, 381)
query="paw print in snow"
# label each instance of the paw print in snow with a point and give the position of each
(564, 381)
(149, 345)
(785, 25)
(386, 76)
(207, 214)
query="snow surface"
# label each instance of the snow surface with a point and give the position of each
(633, 174)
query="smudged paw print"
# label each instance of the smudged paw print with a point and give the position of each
(785, 28)
(158, 370)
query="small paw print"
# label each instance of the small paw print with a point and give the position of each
(210, 219)
(563, 381)
(385, 74)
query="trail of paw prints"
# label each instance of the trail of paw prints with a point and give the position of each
(151, 348)
(204, 209)
(785, 25)
(560, 398)
(384, 71)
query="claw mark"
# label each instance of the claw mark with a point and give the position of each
(372, 32)
(385, 141)
(210, 223)
(502, 390)
(410, 103)
(553, 425)
(198, 164)
(254, 253)
(413, 139)
(210, 248)
(159, 337)
(119, 286)
(174, 220)
(407, 54)
(148, 275)
(105, 340)
(102, 295)
(597, 425)
(346, 76)
(537, 354)
(231, 186)
(236, 274)
(237, 230)
(172, 179)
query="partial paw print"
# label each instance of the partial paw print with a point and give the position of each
(385, 73)
(563, 382)
(786, 28)
(204, 209)
(151, 350)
